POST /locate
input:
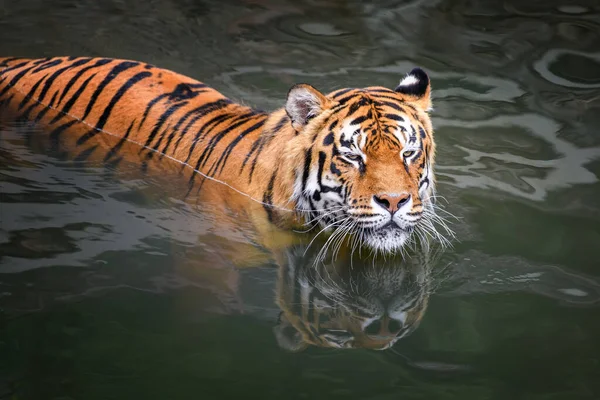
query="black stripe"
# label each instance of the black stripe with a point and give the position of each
(406, 167)
(334, 169)
(259, 143)
(181, 92)
(413, 135)
(388, 91)
(395, 98)
(30, 94)
(42, 60)
(115, 149)
(393, 105)
(234, 123)
(186, 115)
(395, 117)
(150, 154)
(336, 109)
(344, 100)
(113, 164)
(56, 74)
(45, 109)
(229, 149)
(327, 189)
(108, 110)
(65, 110)
(161, 121)
(25, 115)
(359, 120)
(15, 80)
(5, 70)
(209, 126)
(280, 124)
(214, 106)
(214, 141)
(76, 77)
(268, 197)
(322, 157)
(47, 65)
(199, 112)
(7, 100)
(341, 92)
(307, 165)
(150, 105)
(119, 68)
(5, 61)
(355, 106)
(57, 132)
(210, 147)
(266, 140)
(397, 107)
(85, 154)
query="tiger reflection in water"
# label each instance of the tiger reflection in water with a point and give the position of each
(342, 306)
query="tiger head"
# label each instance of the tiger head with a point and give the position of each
(365, 164)
(367, 306)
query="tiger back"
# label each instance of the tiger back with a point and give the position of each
(356, 163)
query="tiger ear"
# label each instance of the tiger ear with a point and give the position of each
(288, 337)
(303, 103)
(417, 87)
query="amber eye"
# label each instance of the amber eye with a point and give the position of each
(407, 154)
(353, 157)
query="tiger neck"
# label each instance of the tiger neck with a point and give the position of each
(277, 167)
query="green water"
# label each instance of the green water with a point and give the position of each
(97, 300)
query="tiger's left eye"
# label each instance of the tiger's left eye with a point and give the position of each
(353, 157)
(407, 154)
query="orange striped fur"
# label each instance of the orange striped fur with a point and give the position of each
(357, 160)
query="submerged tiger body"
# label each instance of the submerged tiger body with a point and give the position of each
(355, 161)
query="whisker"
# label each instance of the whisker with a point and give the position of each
(321, 231)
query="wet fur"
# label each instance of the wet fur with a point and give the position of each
(107, 110)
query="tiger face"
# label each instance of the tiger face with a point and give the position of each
(367, 166)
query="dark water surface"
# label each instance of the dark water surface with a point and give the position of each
(114, 288)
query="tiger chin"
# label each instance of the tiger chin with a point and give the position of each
(367, 306)
(357, 162)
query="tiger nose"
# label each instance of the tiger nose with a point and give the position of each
(391, 202)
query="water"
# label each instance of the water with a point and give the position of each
(112, 287)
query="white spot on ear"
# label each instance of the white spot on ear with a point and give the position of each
(409, 80)
(416, 85)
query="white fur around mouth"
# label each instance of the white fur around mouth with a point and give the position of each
(387, 239)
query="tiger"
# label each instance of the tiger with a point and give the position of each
(367, 306)
(356, 163)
